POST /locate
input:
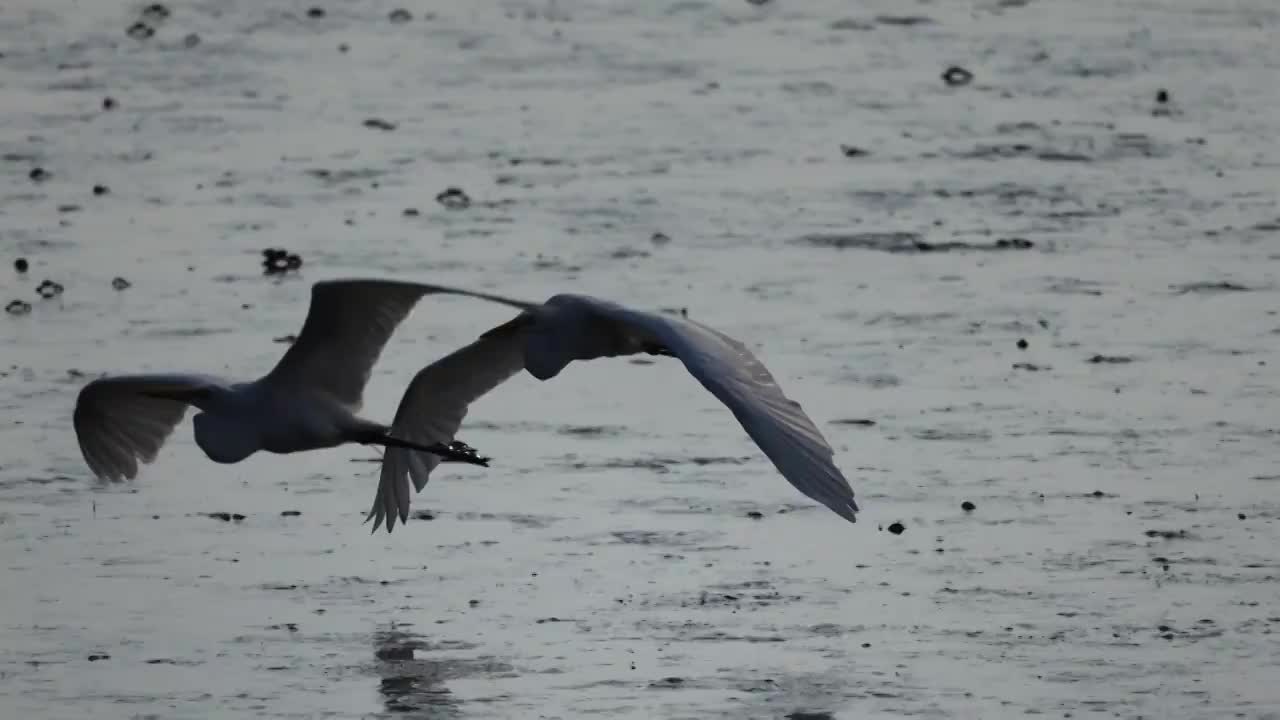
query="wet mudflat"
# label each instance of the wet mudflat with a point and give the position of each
(1015, 255)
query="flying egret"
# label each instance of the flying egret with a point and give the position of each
(309, 401)
(544, 338)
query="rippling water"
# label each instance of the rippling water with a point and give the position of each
(797, 174)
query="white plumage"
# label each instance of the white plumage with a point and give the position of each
(309, 401)
(545, 338)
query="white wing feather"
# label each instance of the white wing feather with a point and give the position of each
(433, 408)
(728, 369)
(118, 426)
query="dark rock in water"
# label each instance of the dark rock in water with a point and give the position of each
(99, 656)
(473, 603)
(225, 516)
(1022, 343)
(659, 238)
(1162, 96)
(379, 124)
(109, 103)
(1241, 516)
(668, 682)
(49, 289)
(851, 151)
(290, 513)
(140, 31)
(805, 715)
(1029, 367)
(286, 339)
(1109, 360)
(863, 422)
(121, 284)
(21, 265)
(956, 76)
(39, 174)
(155, 12)
(411, 212)
(1013, 244)
(190, 40)
(399, 16)
(275, 265)
(101, 190)
(18, 307)
(897, 528)
(454, 199)
(755, 514)
(315, 12)
(278, 261)
(423, 515)
(968, 506)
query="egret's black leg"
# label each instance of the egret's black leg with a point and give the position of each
(453, 452)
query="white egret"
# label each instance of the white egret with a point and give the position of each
(307, 402)
(546, 337)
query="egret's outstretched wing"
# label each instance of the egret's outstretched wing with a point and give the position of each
(728, 369)
(432, 410)
(118, 423)
(348, 324)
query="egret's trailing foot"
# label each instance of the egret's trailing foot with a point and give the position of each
(458, 452)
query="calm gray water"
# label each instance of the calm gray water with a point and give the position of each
(1121, 560)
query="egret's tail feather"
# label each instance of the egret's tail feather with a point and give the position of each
(406, 465)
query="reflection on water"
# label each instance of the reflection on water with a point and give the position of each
(409, 682)
(414, 672)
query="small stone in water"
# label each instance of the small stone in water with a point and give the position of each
(454, 199)
(897, 528)
(20, 265)
(140, 31)
(379, 124)
(956, 76)
(121, 284)
(49, 288)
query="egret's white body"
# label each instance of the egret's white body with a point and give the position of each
(309, 401)
(546, 337)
